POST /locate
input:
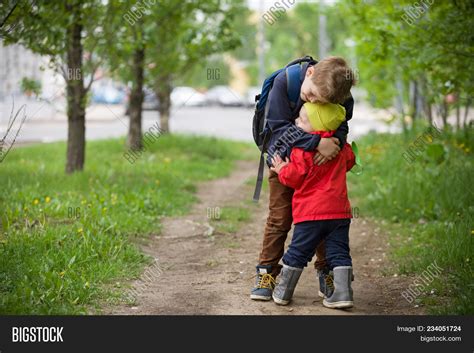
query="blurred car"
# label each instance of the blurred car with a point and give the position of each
(187, 96)
(150, 102)
(250, 96)
(224, 96)
(107, 94)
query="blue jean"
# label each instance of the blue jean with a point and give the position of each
(307, 236)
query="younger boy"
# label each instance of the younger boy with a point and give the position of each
(321, 209)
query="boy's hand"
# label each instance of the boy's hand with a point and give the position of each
(327, 149)
(278, 163)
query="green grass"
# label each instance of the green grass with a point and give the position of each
(65, 240)
(429, 206)
(231, 218)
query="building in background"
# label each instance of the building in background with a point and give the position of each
(17, 63)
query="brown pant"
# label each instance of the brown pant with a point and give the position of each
(278, 225)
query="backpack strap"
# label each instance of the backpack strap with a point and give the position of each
(293, 81)
(306, 58)
(293, 84)
(258, 185)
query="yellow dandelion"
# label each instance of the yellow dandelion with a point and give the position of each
(47, 199)
(35, 201)
(472, 232)
(80, 230)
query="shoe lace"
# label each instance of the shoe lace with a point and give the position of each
(266, 281)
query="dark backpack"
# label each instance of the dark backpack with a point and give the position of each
(260, 129)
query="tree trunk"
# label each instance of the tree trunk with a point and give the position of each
(458, 116)
(429, 112)
(163, 92)
(466, 113)
(443, 110)
(134, 140)
(76, 112)
(414, 103)
(425, 95)
(399, 103)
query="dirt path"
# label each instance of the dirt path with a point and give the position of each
(202, 274)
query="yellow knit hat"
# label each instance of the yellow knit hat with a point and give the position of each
(325, 117)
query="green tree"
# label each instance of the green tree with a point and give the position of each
(184, 35)
(163, 43)
(30, 86)
(416, 52)
(124, 53)
(206, 74)
(69, 32)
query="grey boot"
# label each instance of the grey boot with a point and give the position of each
(325, 278)
(288, 279)
(342, 296)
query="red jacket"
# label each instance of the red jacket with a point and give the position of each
(320, 191)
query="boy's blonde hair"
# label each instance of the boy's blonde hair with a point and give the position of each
(334, 79)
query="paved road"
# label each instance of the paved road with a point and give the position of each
(232, 123)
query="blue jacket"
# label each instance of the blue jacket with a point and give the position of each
(281, 121)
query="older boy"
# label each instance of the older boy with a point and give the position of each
(328, 81)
